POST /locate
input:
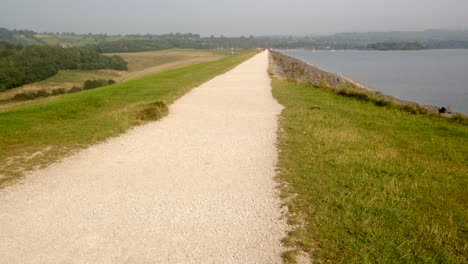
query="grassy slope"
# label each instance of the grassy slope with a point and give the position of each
(374, 185)
(69, 78)
(72, 121)
(142, 60)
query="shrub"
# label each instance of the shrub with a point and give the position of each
(28, 95)
(323, 84)
(384, 103)
(58, 91)
(413, 109)
(41, 93)
(153, 111)
(109, 82)
(75, 89)
(91, 84)
(24, 96)
(460, 118)
(348, 92)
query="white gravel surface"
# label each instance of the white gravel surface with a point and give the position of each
(194, 187)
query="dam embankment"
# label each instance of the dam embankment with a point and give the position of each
(284, 66)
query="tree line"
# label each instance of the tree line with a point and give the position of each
(396, 46)
(178, 41)
(20, 65)
(24, 37)
(433, 39)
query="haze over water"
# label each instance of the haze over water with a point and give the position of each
(433, 77)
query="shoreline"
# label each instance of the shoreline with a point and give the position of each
(306, 72)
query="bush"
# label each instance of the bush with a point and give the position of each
(363, 96)
(41, 93)
(58, 91)
(75, 89)
(30, 95)
(348, 92)
(92, 84)
(323, 84)
(384, 103)
(460, 118)
(153, 111)
(413, 109)
(109, 82)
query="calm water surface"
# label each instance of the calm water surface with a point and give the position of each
(434, 77)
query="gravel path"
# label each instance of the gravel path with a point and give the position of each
(195, 187)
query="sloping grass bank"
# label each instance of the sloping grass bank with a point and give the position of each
(35, 135)
(369, 184)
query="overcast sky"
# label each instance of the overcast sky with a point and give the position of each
(232, 18)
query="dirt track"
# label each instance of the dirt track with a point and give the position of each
(195, 187)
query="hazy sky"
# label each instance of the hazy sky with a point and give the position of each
(232, 18)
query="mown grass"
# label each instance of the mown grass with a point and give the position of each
(368, 184)
(141, 60)
(35, 135)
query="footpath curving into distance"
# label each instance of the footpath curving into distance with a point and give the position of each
(194, 187)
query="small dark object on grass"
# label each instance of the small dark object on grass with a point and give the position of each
(442, 110)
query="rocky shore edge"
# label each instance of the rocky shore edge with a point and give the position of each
(286, 67)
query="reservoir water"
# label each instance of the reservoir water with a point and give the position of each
(433, 77)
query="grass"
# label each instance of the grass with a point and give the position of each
(388, 103)
(32, 136)
(144, 63)
(142, 60)
(369, 184)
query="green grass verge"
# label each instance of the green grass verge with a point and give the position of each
(368, 184)
(35, 135)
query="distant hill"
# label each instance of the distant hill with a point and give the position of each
(431, 39)
(428, 38)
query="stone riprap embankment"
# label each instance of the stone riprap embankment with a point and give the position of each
(284, 66)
